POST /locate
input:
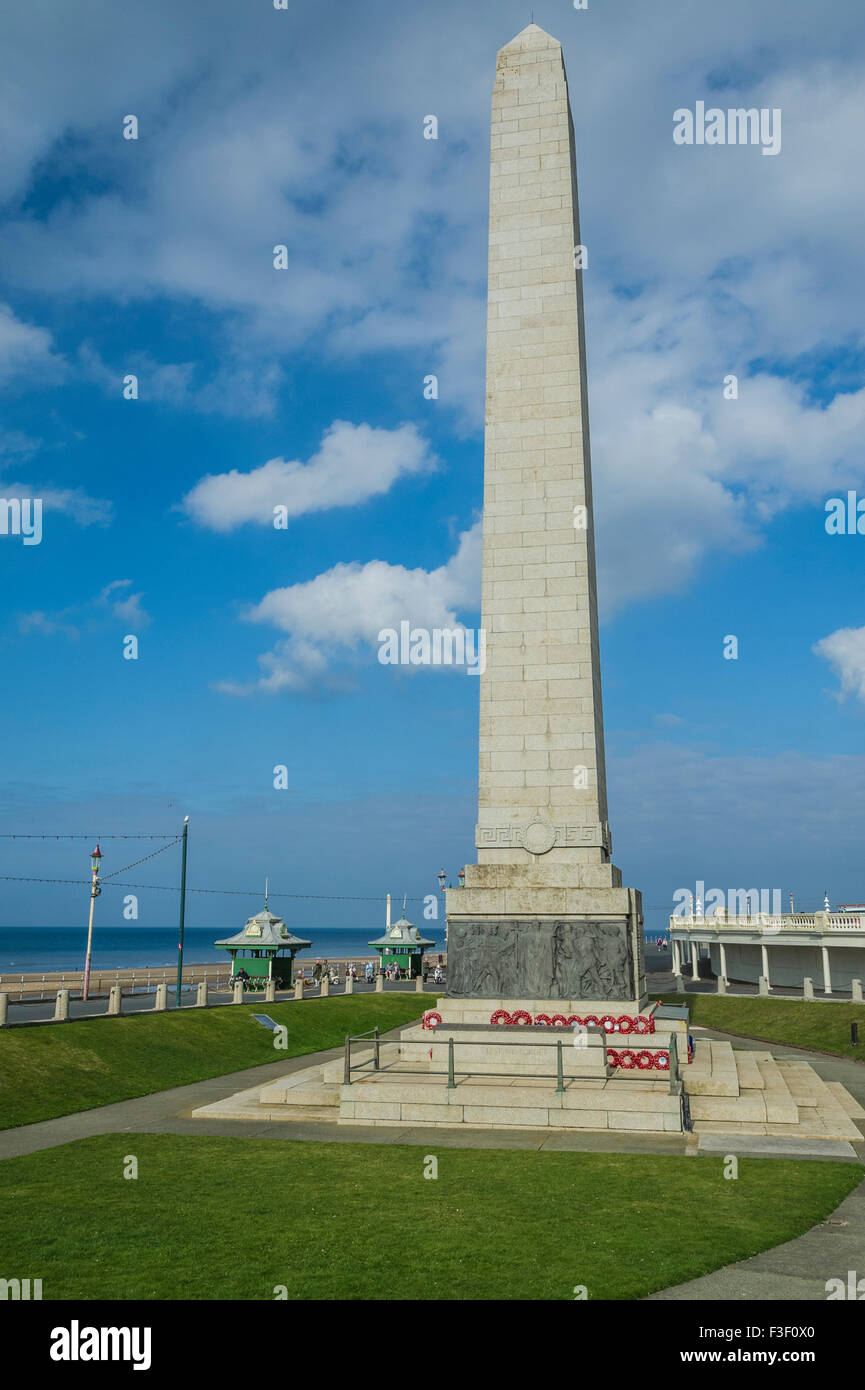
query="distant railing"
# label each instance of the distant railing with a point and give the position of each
(38, 987)
(798, 921)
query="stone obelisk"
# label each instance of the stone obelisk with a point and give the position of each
(543, 916)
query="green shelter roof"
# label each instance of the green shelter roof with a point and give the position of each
(264, 931)
(402, 933)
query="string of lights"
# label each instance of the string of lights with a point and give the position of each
(173, 837)
(229, 892)
(136, 862)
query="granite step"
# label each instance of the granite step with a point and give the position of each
(750, 1076)
(321, 1093)
(847, 1102)
(820, 1101)
(713, 1071)
(514, 1105)
(781, 1107)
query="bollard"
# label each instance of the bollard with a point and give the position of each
(349, 984)
(807, 988)
(114, 1000)
(764, 986)
(4, 1010)
(418, 984)
(680, 985)
(379, 984)
(325, 987)
(161, 1001)
(857, 991)
(61, 1006)
(270, 992)
(298, 988)
(201, 995)
(238, 993)
(722, 985)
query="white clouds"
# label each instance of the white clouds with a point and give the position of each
(128, 609)
(729, 259)
(89, 615)
(24, 348)
(73, 502)
(336, 617)
(352, 464)
(845, 652)
(240, 388)
(783, 820)
(680, 471)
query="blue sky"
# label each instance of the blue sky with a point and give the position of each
(304, 128)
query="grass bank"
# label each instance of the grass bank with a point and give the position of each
(57, 1070)
(211, 1218)
(799, 1022)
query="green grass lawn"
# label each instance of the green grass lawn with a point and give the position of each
(796, 1021)
(212, 1218)
(57, 1070)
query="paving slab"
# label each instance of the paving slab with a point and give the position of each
(770, 1146)
(737, 1285)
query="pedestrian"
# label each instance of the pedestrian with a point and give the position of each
(316, 971)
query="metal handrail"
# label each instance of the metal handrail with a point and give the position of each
(672, 1052)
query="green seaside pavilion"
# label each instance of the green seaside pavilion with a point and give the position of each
(265, 948)
(403, 945)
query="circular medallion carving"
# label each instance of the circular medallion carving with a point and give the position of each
(539, 837)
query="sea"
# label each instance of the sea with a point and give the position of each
(38, 950)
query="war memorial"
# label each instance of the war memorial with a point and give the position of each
(546, 1022)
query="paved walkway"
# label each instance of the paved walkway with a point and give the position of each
(796, 1271)
(169, 1112)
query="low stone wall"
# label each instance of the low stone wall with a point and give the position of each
(618, 1106)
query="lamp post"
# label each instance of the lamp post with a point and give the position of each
(442, 877)
(182, 913)
(95, 890)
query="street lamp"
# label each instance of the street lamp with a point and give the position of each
(95, 890)
(183, 914)
(462, 878)
(442, 877)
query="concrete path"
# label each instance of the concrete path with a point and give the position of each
(796, 1271)
(168, 1112)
